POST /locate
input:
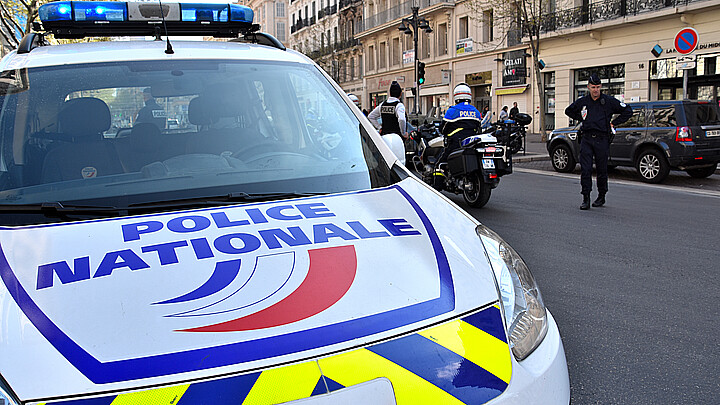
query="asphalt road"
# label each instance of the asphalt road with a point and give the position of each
(633, 285)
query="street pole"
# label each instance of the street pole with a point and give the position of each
(415, 75)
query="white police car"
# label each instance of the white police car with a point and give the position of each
(271, 250)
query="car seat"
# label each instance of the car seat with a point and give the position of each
(84, 153)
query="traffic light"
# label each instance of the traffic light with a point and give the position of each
(421, 73)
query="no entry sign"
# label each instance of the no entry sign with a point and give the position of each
(686, 40)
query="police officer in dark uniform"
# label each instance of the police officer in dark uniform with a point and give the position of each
(392, 112)
(595, 111)
(460, 121)
(152, 112)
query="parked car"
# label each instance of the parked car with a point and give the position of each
(659, 137)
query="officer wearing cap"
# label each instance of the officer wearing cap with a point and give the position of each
(392, 112)
(594, 111)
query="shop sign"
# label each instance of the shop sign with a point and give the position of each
(388, 82)
(700, 47)
(463, 46)
(479, 78)
(445, 76)
(514, 69)
(408, 56)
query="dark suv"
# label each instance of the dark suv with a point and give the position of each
(661, 135)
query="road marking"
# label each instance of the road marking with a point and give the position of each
(707, 193)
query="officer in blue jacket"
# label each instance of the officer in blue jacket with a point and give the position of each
(595, 111)
(460, 121)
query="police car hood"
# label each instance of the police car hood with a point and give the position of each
(111, 305)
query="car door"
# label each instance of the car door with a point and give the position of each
(628, 134)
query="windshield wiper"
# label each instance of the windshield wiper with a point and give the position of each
(217, 200)
(56, 208)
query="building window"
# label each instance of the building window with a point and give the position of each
(424, 45)
(381, 56)
(549, 83)
(395, 52)
(280, 9)
(488, 25)
(463, 29)
(280, 31)
(343, 70)
(612, 77)
(442, 39)
(371, 58)
(352, 68)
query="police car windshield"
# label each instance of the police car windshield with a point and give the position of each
(140, 132)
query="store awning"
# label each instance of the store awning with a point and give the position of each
(511, 90)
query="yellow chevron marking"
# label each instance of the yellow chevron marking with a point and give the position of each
(363, 365)
(474, 344)
(284, 384)
(159, 396)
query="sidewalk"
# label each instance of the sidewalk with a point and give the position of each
(535, 150)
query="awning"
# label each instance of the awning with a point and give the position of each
(511, 90)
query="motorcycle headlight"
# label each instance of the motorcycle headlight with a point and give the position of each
(525, 316)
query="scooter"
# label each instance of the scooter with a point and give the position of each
(473, 170)
(512, 132)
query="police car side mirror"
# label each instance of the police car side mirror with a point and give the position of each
(396, 145)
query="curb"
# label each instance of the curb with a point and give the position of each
(529, 158)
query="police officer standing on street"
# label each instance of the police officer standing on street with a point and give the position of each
(152, 112)
(595, 111)
(392, 112)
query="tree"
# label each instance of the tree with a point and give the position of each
(16, 18)
(520, 21)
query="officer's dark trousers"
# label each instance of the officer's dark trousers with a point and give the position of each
(596, 147)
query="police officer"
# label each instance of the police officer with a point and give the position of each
(460, 121)
(152, 112)
(594, 111)
(392, 112)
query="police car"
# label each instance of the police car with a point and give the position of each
(250, 256)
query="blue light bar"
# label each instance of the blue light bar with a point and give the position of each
(241, 13)
(99, 10)
(57, 11)
(79, 19)
(204, 12)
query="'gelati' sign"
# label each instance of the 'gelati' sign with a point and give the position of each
(513, 68)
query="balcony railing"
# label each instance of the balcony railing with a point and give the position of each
(604, 11)
(401, 10)
(333, 47)
(347, 3)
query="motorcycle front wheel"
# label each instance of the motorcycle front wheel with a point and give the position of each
(475, 192)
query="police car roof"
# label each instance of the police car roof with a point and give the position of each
(138, 50)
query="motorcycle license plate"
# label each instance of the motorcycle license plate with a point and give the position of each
(488, 164)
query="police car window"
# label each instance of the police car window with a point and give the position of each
(637, 119)
(215, 127)
(664, 116)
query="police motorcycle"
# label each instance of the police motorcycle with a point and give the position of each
(512, 132)
(473, 170)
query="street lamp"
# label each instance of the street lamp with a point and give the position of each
(412, 26)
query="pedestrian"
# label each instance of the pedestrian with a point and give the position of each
(594, 111)
(152, 112)
(514, 110)
(392, 112)
(504, 113)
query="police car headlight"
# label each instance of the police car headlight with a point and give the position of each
(525, 316)
(5, 398)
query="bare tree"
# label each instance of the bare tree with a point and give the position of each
(16, 18)
(519, 21)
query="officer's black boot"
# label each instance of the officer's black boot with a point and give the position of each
(586, 202)
(600, 201)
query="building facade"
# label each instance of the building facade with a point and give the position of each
(272, 15)
(631, 45)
